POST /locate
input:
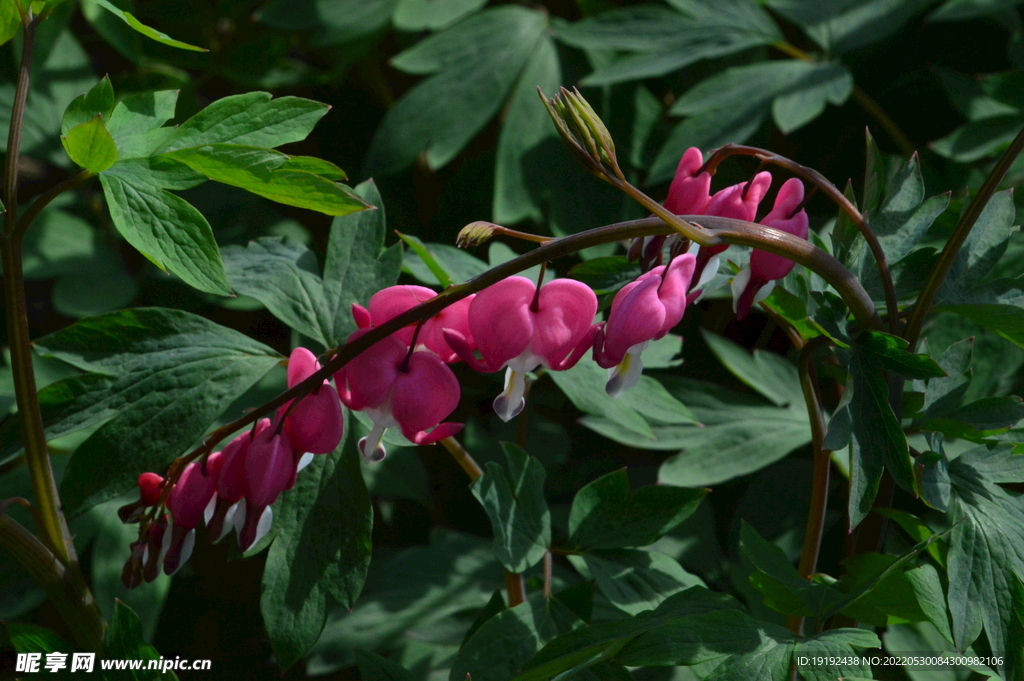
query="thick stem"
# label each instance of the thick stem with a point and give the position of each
(837, 197)
(963, 229)
(821, 468)
(77, 607)
(516, 587)
(462, 457)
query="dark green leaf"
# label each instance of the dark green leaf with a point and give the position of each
(333, 21)
(986, 551)
(931, 597)
(419, 15)
(944, 395)
(459, 266)
(322, 550)
(765, 372)
(1006, 320)
(915, 529)
(440, 115)
(740, 434)
(373, 667)
(878, 440)
(795, 109)
(889, 353)
(427, 258)
(932, 470)
(167, 230)
(514, 501)
(124, 641)
(977, 258)
(90, 146)
(957, 10)
(357, 264)
(607, 515)
(841, 27)
(261, 172)
(843, 652)
(979, 139)
(31, 638)
(167, 375)
(99, 101)
(636, 581)
(251, 119)
(607, 274)
(149, 32)
(891, 601)
(493, 607)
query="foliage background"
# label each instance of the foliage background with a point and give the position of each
(949, 75)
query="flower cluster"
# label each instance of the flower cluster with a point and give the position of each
(404, 380)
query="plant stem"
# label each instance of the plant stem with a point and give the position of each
(46, 197)
(837, 197)
(963, 229)
(548, 573)
(77, 607)
(462, 457)
(516, 587)
(821, 468)
(862, 98)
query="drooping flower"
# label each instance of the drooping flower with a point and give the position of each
(518, 327)
(738, 201)
(314, 425)
(188, 500)
(412, 391)
(270, 466)
(390, 302)
(151, 486)
(754, 284)
(643, 310)
(227, 468)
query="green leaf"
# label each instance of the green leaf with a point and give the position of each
(915, 529)
(124, 640)
(373, 667)
(979, 139)
(931, 597)
(322, 551)
(607, 515)
(90, 146)
(975, 261)
(740, 434)
(636, 580)
(840, 27)
(161, 378)
(317, 166)
(427, 258)
(135, 122)
(986, 551)
(99, 101)
(878, 440)
(167, 230)
(493, 607)
(888, 353)
(957, 10)
(843, 650)
(284, 275)
(731, 105)
(765, 372)
(795, 109)
(10, 21)
(932, 471)
(260, 171)
(891, 601)
(595, 643)
(357, 264)
(515, 503)
(525, 134)
(505, 643)
(432, 15)
(458, 265)
(31, 638)
(149, 32)
(606, 275)
(944, 395)
(250, 119)
(440, 115)
(1006, 320)
(331, 21)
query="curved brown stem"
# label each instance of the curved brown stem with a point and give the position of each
(837, 197)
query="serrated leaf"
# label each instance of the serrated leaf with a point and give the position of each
(977, 258)
(149, 32)
(843, 652)
(262, 172)
(986, 551)
(160, 376)
(250, 119)
(321, 552)
(606, 514)
(441, 114)
(90, 146)
(167, 230)
(888, 353)
(514, 501)
(99, 101)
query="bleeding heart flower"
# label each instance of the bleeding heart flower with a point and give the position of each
(738, 201)
(754, 284)
(188, 500)
(227, 468)
(643, 310)
(390, 302)
(519, 327)
(413, 391)
(270, 466)
(315, 424)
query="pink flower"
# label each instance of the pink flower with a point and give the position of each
(390, 302)
(315, 424)
(750, 286)
(269, 470)
(412, 391)
(643, 310)
(151, 486)
(689, 193)
(227, 468)
(188, 500)
(516, 326)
